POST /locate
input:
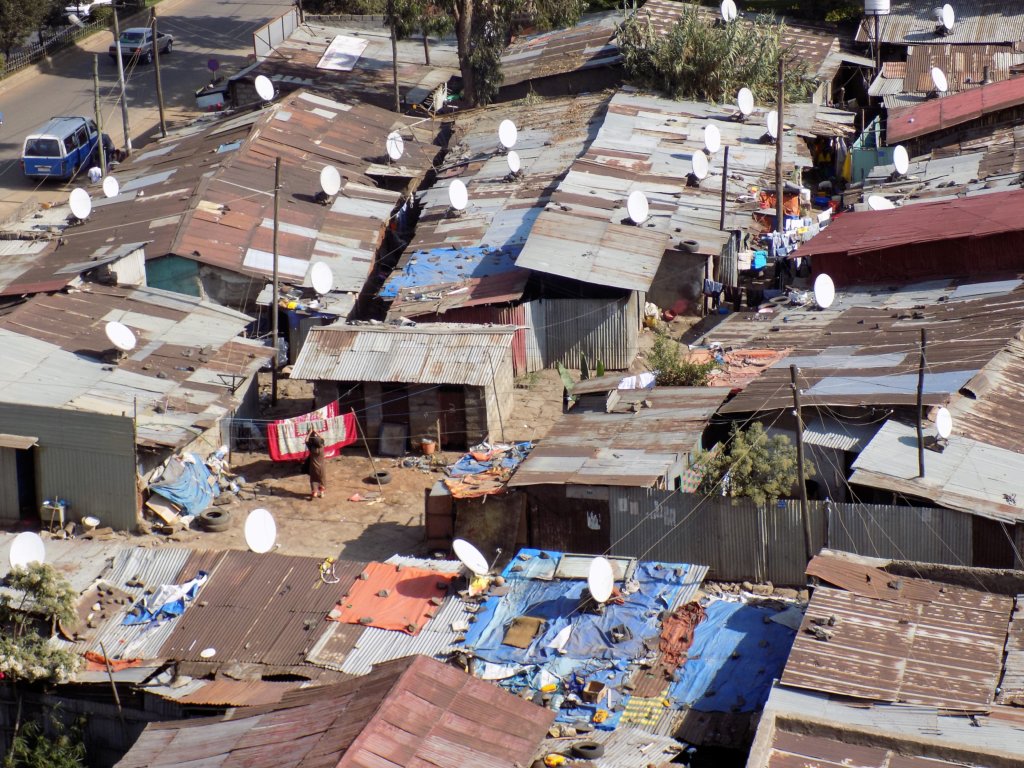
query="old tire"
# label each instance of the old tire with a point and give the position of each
(587, 750)
(690, 246)
(380, 478)
(169, 47)
(215, 520)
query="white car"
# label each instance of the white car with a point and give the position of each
(82, 10)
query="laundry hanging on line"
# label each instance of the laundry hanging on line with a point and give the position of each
(286, 438)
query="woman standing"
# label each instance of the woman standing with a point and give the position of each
(315, 464)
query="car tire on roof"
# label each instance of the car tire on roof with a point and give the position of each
(587, 750)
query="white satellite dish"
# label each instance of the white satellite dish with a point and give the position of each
(321, 277)
(879, 203)
(712, 138)
(470, 557)
(728, 9)
(947, 17)
(514, 163)
(395, 145)
(699, 162)
(824, 291)
(637, 207)
(600, 580)
(260, 531)
(120, 335)
(264, 88)
(27, 548)
(330, 180)
(772, 121)
(207, 653)
(745, 101)
(458, 195)
(939, 80)
(901, 159)
(944, 423)
(508, 134)
(80, 202)
(110, 187)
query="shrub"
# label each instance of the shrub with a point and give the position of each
(673, 370)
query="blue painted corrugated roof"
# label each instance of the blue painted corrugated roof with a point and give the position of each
(450, 266)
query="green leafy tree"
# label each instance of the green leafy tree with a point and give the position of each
(672, 370)
(701, 60)
(753, 465)
(18, 20)
(55, 747)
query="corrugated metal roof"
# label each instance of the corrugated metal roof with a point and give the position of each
(964, 65)
(225, 692)
(182, 375)
(1011, 687)
(789, 749)
(432, 353)
(939, 114)
(626, 747)
(80, 562)
(967, 475)
(411, 713)
(590, 446)
(838, 435)
(587, 45)
(912, 22)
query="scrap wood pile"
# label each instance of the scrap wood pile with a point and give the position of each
(485, 469)
(185, 486)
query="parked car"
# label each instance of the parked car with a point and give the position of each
(82, 10)
(137, 42)
(61, 148)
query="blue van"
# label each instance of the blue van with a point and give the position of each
(61, 148)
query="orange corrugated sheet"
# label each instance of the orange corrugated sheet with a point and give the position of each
(393, 597)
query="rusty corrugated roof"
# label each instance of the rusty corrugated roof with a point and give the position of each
(912, 22)
(791, 749)
(587, 45)
(955, 109)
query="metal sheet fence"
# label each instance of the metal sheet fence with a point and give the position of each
(602, 329)
(273, 33)
(740, 541)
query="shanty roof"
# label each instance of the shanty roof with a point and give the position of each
(182, 375)
(434, 353)
(587, 45)
(912, 22)
(646, 144)
(416, 713)
(470, 259)
(611, 444)
(938, 114)
(293, 63)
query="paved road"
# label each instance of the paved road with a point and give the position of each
(202, 29)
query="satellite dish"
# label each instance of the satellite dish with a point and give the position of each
(637, 207)
(947, 16)
(260, 531)
(330, 180)
(458, 195)
(120, 336)
(745, 101)
(321, 277)
(208, 653)
(700, 165)
(944, 422)
(939, 80)
(470, 557)
(395, 145)
(508, 134)
(728, 10)
(514, 163)
(901, 160)
(600, 580)
(80, 202)
(111, 187)
(772, 121)
(712, 138)
(824, 291)
(264, 88)
(879, 203)
(27, 548)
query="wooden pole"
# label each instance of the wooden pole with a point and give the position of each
(725, 180)
(394, 53)
(120, 79)
(920, 404)
(780, 185)
(274, 300)
(802, 482)
(113, 687)
(156, 72)
(99, 112)
(366, 445)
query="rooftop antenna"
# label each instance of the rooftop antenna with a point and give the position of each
(330, 184)
(879, 203)
(27, 548)
(901, 160)
(637, 207)
(745, 101)
(944, 20)
(515, 165)
(771, 121)
(470, 557)
(110, 187)
(824, 291)
(81, 203)
(260, 531)
(698, 169)
(939, 81)
(712, 139)
(395, 146)
(321, 277)
(458, 196)
(728, 11)
(508, 134)
(121, 336)
(264, 88)
(600, 581)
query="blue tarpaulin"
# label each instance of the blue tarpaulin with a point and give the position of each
(187, 484)
(169, 601)
(509, 459)
(736, 653)
(445, 266)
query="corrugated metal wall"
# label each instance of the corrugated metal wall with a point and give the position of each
(86, 458)
(740, 542)
(499, 314)
(10, 511)
(536, 337)
(728, 263)
(602, 329)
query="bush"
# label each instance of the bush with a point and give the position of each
(673, 370)
(102, 13)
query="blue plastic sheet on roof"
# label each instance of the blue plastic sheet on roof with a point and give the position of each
(443, 266)
(187, 484)
(511, 459)
(736, 653)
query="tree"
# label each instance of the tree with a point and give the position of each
(753, 465)
(672, 370)
(18, 20)
(705, 61)
(34, 747)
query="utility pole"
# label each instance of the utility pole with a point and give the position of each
(120, 80)
(920, 405)
(725, 180)
(808, 545)
(274, 300)
(780, 214)
(156, 71)
(394, 53)
(99, 114)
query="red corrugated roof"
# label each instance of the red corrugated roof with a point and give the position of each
(393, 597)
(936, 114)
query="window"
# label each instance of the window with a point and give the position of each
(132, 38)
(42, 148)
(82, 137)
(69, 144)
